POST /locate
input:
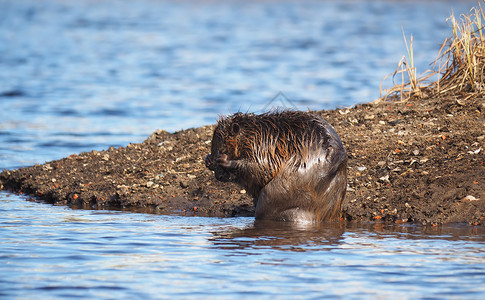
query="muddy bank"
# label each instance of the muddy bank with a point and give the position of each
(414, 161)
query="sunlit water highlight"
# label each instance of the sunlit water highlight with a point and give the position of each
(83, 75)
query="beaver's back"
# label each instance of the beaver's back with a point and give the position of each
(272, 139)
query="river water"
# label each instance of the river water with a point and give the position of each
(82, 75)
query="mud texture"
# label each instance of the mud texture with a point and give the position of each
(413, 161)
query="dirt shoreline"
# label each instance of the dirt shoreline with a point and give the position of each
(409, 161)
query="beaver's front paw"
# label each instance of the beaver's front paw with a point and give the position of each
(208, 161)
(223, 161)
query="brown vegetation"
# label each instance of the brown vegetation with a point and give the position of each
(460, 64)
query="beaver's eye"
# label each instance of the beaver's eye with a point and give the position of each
(235, 128)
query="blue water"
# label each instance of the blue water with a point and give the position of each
(82, 75)
(55, 252)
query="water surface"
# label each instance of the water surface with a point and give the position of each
(59, 252)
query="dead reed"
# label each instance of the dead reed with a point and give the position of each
(460, 64)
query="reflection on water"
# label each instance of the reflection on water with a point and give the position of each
(280, 236)
(305, 237)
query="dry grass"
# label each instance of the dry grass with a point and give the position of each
(460, 63)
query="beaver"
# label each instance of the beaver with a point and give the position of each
(292, 163)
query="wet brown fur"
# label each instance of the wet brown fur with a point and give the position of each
(292, 163)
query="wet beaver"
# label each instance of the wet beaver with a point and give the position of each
(291, 162)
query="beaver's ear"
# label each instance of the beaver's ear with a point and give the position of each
(235, 128)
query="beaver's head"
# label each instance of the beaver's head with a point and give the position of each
(226, 146)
